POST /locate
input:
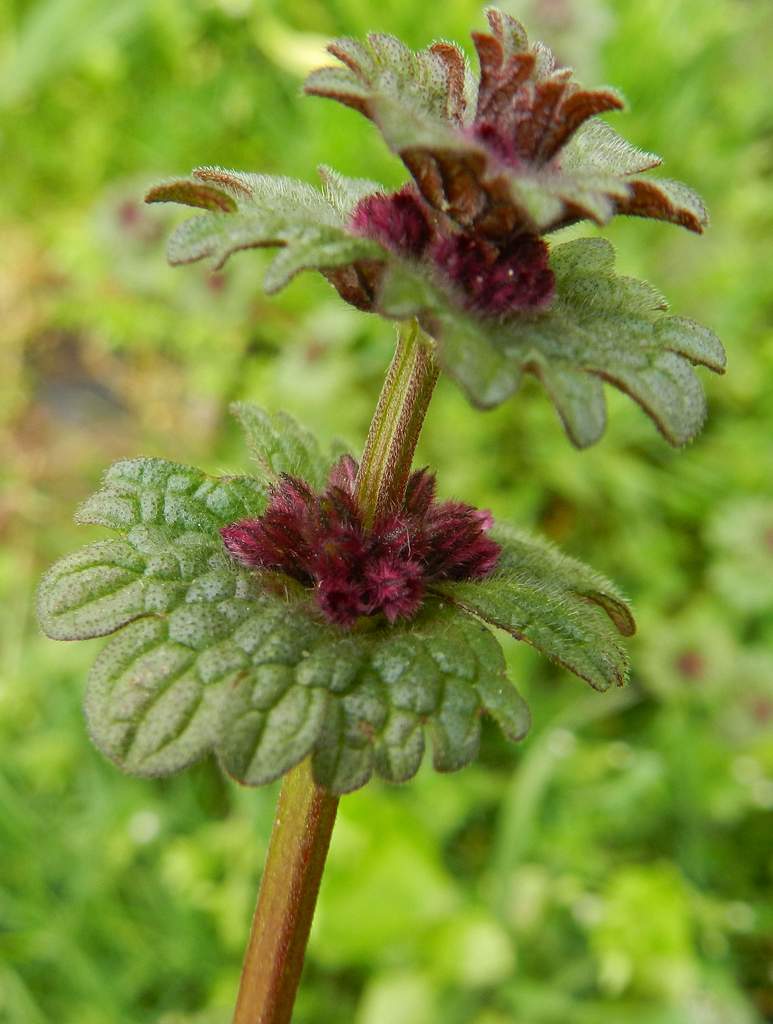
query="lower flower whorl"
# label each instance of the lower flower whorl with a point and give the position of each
(321, 541)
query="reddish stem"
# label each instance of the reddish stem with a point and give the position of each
(273, 962)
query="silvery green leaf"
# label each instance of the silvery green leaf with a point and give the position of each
(600, 327)
(169, 516)
(167, 586)
(246, 211)
(279, 444)
(361, 703)
(555, 603)
(426, 104)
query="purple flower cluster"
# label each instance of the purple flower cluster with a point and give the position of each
(396, 221)
(495, 279)
(487, 182)
(322, 541)
(492, 278)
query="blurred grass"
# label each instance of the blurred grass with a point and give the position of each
(617, 866)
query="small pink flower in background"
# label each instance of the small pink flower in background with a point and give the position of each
(322, 541)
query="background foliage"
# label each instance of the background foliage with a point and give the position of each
(617, 865)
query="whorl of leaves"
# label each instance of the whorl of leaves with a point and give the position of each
(517, 149)
(248, 211)
(209, 655)
(497, 159)
(600, 327)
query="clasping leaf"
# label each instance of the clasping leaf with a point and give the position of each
(599, 327)
(208, 655)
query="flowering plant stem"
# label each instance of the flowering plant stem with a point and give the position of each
(288, 893)
(306, 812)
(394, 430)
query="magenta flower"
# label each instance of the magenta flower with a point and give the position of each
(497, 279)
(355, 569)
(397, 221)
(490, 277)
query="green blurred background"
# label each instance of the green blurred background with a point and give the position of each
(617, 866)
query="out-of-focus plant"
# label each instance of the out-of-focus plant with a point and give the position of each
(317, 618)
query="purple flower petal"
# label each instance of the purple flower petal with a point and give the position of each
(321, 540)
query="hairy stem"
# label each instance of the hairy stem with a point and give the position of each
(306, 812)
(396, 424)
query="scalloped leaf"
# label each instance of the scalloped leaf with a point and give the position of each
(558, 605)
(247, 211)
(599, 327)
(537, 556)
(597, 145)
(210, 655)
(156, 690)
(407, 93)
(360, 703)
(521, 148)
(170, 515)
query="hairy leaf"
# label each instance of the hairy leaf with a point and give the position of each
(410, 93)
(279, 444)
(599, 327)
(247, 211)
(169, 515)
(154, 690)
(555, 603)
(360, 703)
(518, 149)
(210, 655)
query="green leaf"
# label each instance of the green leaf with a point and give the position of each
(411, 95)
(170, 515)
(247, 211)
(555, 603)
(280, 445)
(599, 327)
(93, 592)
(524, 552)
(267, 722)
(155, 689)
(210, 655)
(597, 145)
(195, 622)
(485, 373)
(360, 703)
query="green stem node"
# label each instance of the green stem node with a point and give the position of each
(396, 425)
